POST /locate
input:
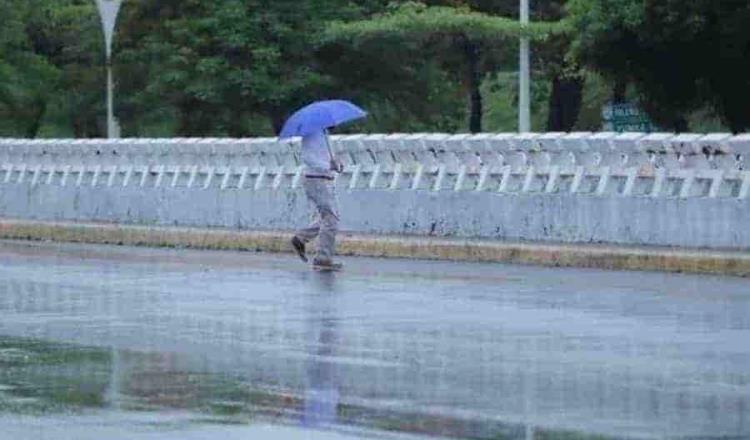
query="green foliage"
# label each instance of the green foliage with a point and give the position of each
(417, 20)
(680, 56)
(222, 64)
(25, 77)
(464, 41)
(596, 94)
(501, 96)
(402, 84)
(240, 67)
(49, 54)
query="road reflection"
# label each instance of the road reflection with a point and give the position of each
(322, 393)
(587, 353)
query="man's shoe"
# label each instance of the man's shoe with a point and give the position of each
(326, 264)
(299, 246)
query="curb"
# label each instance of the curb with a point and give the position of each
(734, 263)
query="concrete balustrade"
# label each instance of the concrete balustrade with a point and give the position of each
(627, 164)
(631, 188)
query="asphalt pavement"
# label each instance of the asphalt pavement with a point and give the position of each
(386, 347)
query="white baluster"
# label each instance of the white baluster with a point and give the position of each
(81, 174)
(243, 178)
(209, 177)
(97, 172)
(145, 171)
(128, 175)
(745, 188)
(660, 178)
(279, 178)
(37, 172)
(418, 177)
(51, 175)
(577, 179)
(529, 179)
(483, 175)
(605, 174)
(21, 173)
(375, 176)
(460, 179)
(687, 183)
(554, 175)
(66, 173)
(440, 177)
(227, 176)
(159, 176)
(716, 181)
(260, 178)
(193, 176)
(396, 177)
(112, 176)
(176, 176)
(505, 181)
(355, 176)
(9, 173)
(630, 182)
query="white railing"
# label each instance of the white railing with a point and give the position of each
(628, 164)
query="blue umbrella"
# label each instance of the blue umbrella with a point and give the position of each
(319, 116)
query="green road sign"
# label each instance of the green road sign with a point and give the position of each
(625, 117)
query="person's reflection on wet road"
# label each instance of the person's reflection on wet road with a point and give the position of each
(322, 394)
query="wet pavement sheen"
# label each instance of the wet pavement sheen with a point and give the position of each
(115, 342)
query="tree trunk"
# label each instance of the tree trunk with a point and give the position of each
(32, 130)
(194, 118)
(277, 117)
(565, 103)
(474, 82)
(78, 127)
(737, 123)
(732, 109)
(681, 125)
(618, 92)
(236, 126)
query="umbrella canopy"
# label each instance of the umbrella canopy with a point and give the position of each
(320, 115)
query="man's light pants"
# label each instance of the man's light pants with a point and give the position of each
(321, 194)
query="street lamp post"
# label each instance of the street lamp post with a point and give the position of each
(108, 10)
(524, 80)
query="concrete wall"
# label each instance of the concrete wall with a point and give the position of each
(695, 222)
(662, 189)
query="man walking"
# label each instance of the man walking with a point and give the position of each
(318, 184)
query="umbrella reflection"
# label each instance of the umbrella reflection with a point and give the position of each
(322, 393)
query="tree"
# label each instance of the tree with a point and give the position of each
(467, 38)
(403, 86)
(49, 59)
(26, 78)
(221, 64)
(679, 55)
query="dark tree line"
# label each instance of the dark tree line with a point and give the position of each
(239, 67)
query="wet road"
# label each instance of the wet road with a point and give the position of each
(405, 348)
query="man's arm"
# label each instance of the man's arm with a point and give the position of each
(336, 165)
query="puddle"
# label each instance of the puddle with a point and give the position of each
(63, 379)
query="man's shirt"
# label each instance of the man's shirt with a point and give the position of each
(315, 155)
